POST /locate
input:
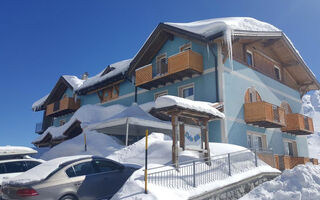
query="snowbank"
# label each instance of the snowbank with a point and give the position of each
(200, 106)
(42, 171)
(16, 150)
(98, 144)
(300, 183)
(39, 103)
(87, 114)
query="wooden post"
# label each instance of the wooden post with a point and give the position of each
(182, 139)
(146, 165)
(85, 141)
(174, 121)
(127, 131)
(204, 129)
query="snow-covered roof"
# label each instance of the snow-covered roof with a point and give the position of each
(16, 150)
(116, 69)
(43, 170)
(136, 116)
(200, 106)
(74, 81)
(39, 103)
(210, 27)
(86, 114)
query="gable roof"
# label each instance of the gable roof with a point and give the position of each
(109, 75)
(64, 82)
(205, 31)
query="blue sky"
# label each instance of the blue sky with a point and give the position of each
(41, 40)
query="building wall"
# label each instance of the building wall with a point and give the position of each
(236, 82)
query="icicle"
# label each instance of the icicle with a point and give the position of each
(228, 36)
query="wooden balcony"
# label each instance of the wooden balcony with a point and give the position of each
(183, 64)
(64, 106)
(298, 124)
(289, 162)
(264, 114)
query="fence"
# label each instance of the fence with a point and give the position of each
(201, 171)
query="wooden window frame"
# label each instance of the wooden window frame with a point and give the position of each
(159, 94)
(251, 53)
(275, 75)
(263, 139)
(186, 86)
(294, 147)
(183, 47)
(158, 60)
(62, 122)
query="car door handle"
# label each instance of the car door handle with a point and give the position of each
(77, 184)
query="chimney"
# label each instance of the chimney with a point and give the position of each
(85, 76)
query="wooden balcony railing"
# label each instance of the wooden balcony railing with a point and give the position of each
(298, 124)
(264, 114)
(62, 107)
(180, 65)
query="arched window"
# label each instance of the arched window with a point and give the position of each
(252, 96)
(286, 107)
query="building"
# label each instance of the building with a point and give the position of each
(249, 66)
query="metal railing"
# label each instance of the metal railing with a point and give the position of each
(197, 172)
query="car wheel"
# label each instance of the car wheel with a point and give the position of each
(68, 197)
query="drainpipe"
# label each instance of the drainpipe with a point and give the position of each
(220, 68)
(135, 94)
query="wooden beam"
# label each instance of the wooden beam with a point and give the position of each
(175, 159)
(270, 42)
(204, 129)
(291, 64)
(182, 138)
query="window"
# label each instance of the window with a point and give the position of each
(162, 64)
(187, 91)
(252, 95)
(277, 73)
(106, 166)
(290, 147)
(256, 141)
(159, 94)
(14, 167)
(32, 164)
(62, 122)
(249, 57)
(185, 47)
(70, 172)
(84, 168)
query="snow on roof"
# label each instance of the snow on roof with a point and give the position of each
(86, 114)
(98, 144)
(39, 103)
(210, 27)
(43, 170)
(74, 81)
(302, 182)
(133, 115)
(119, 68)
(200, 106)
(16, 150)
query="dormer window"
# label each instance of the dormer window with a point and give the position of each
(249, 57)
(277, 73)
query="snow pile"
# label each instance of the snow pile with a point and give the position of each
(16, 150)
(311, 108)
(115, 69)
(200, 106)
(98, 144)
(300, 183)
(42, 171)
(86, 114)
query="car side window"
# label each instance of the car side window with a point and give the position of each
(84, 168)
(2, 169)
(32, 164)
(70, 172)
(106, 166)
(15, 167)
